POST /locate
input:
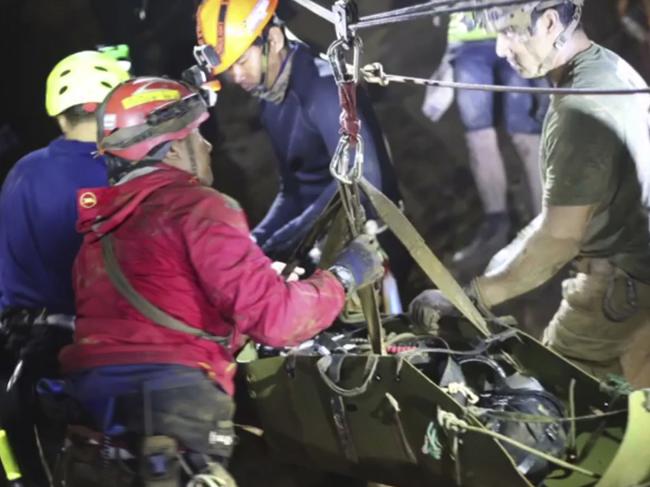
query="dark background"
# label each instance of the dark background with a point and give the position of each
(430, 160)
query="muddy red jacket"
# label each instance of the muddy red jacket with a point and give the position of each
(187, 249)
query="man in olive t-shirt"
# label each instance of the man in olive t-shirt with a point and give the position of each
(596, 151)
(595, 162)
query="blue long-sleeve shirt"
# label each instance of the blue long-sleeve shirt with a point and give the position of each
(38, 212)
(304, 131)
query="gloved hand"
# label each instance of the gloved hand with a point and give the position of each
(359, 264)
(429, 306)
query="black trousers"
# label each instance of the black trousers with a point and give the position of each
(20, 413)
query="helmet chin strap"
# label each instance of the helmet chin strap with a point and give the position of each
(261, 87)
(194, 167)
(548, 62)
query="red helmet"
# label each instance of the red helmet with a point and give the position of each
(144, 113)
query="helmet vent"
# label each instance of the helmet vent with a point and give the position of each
(63, 90)
(64, 73)
(106, 84)
(101, 68)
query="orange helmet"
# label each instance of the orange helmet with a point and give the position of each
(230, 27)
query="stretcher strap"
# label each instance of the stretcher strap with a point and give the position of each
(425, 258)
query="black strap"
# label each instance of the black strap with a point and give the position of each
(139, 302)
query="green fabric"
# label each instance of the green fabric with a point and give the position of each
(460, 31)
(596, 150)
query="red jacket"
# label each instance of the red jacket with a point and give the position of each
(187, 249)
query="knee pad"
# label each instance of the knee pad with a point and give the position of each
(215, 475)
(82, 465)
(159, 465)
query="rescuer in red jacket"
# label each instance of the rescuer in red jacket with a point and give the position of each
(168, 281)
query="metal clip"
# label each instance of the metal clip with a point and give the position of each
(344, 72)
(340, 166)
(345, 14)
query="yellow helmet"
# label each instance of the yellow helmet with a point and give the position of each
(83, 77)
(231, 27)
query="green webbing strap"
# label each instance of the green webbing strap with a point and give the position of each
(630, 465)
(425, 258)
(324, 220)
(9, 464)
(139, 302)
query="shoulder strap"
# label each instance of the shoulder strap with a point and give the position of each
(139, 302)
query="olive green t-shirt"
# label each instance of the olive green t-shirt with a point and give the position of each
(596, 151)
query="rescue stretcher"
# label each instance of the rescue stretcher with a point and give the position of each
(377, 420)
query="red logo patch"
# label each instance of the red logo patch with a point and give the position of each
(88, 200)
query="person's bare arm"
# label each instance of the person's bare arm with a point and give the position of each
(622, 5)
(544, 251)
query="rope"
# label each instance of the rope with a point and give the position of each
(463, 389)
(532, 418)
(451, 422)
(572, 413)
(371, 367)
(434, 7)
(432, 445)
(374, 73)
(400, 428)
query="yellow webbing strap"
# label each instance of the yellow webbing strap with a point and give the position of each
(631, 465)
(423, 256)
(12, 472)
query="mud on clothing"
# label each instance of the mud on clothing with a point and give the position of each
(582, 332)
(186, 249)
(38, 212)
(182, 403)
(304, 131)
(595, 150)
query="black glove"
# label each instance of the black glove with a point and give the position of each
(359, 264)
(40, 352)
(429, 306)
